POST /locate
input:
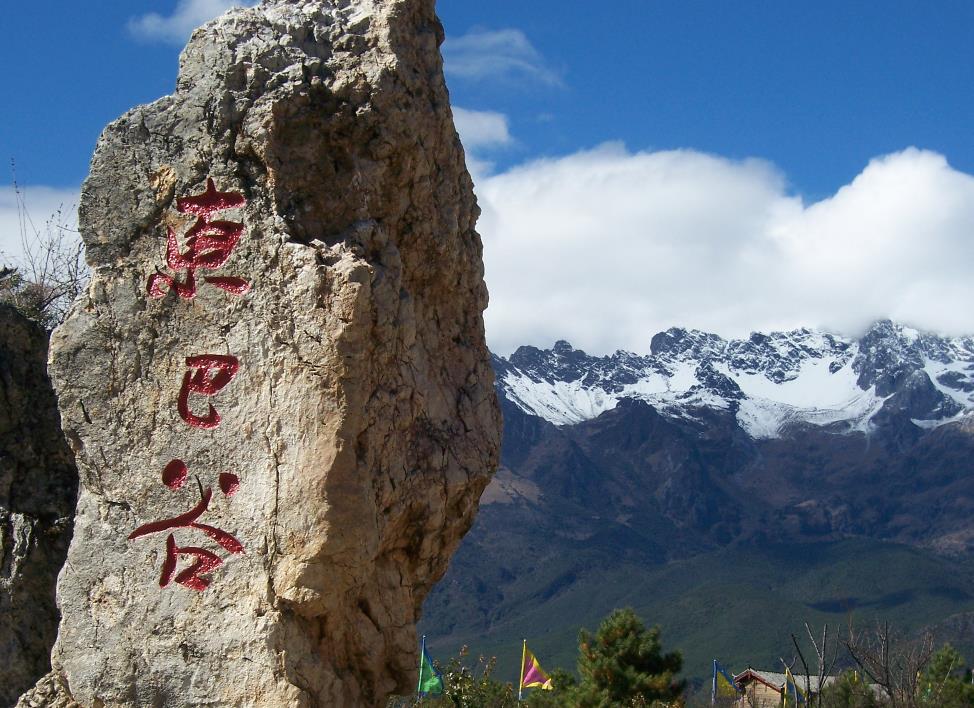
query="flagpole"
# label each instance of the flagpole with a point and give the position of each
(520, 681)
(422, 652)
(713, 686)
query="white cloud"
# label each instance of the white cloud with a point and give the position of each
(188, 15)
(42, 206)
(499, 55)
(481, 129)
(606, 247)
(480, 132)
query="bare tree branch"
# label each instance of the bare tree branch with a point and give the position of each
(808, 686)
(891, 661)
(51, 272)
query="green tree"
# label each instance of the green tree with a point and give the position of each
(623, 665)
(849, 691)
(561, 694)
(943, 681)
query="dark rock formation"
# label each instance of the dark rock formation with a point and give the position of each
(38, 488)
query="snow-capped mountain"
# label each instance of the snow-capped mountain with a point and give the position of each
(780, 450)
(768, 381)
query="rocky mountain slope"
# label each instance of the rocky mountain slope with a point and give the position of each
(723, 461)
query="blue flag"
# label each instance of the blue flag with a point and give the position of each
(723, 684)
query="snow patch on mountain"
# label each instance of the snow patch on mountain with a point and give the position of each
(953, 379)
(818, 393)
(559, 402)
(765, 418)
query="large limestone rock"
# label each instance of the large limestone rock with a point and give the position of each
(38, 487)
(277, 385)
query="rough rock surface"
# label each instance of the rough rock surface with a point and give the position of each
(38, 488)
(361, 424)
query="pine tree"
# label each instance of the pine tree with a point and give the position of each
(944, 683)
(849, 690)
(623, 665)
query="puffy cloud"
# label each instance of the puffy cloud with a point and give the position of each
(606, 247)
(481, 132)
(496, 55)
(481, 129)
(46, 208)
(188, 15)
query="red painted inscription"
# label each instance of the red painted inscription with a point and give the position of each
(210, 373)
(209, 244)
(191, 577)
(229, 483)
(173, 476)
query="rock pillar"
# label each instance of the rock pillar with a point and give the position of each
(277, 386)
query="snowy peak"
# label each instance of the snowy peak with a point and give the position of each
(563, 363)
(780, 356)
(889, 353)
(768, 381)
(677, 344)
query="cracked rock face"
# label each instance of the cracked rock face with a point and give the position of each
(38, 488)
(277, 386)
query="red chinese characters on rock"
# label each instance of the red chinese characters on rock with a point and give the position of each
(174, 476)
(210, 373)
(210, 243)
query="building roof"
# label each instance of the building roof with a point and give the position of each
(775, 680)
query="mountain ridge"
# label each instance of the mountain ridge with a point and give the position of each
(769, 380)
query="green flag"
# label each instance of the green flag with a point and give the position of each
(430, 680)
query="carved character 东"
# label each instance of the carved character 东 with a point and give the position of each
(209, 243)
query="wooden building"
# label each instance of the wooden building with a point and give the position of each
(765, 689)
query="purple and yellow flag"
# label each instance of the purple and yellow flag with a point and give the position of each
(532, 675)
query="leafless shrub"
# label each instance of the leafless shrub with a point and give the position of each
(50, 272)
(892, 661)
(825, 662)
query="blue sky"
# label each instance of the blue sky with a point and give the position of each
(818, 88)
(720, 133)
